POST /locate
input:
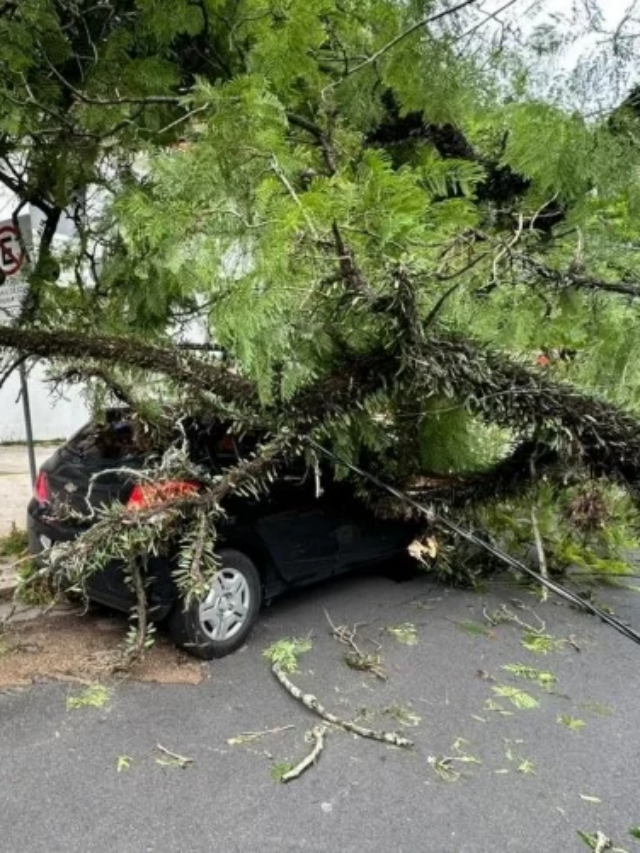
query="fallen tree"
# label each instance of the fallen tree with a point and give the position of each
(401, 252)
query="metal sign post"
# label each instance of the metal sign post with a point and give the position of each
(13, 291)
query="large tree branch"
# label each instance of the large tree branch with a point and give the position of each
(178, 366)
(328, 152)
(571, 278)
(504, 392)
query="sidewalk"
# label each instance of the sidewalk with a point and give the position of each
(15, 491)
(15, 484)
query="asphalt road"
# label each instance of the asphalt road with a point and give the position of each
(60, 789)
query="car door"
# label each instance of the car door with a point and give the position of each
(364, 538)
(298, 527)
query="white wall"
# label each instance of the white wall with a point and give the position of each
(52, 418)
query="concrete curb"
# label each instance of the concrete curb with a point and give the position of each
(21, 613)
(8, 579)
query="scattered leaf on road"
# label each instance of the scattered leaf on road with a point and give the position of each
(544, 679)
(95, 696)
(490, 705)
(570, 722)
(404, 715)
(123, 763)
(280, 769)
(523, 701)
(542, 644)
(475, 628)
(284, 653)
(405, 633)
(597, 708)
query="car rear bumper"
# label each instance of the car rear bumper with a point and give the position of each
(43, 533)
(108, 586)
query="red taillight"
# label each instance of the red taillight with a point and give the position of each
(41, 488)
(144, 496)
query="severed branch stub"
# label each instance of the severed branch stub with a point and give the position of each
(312, 703)
(316, 735)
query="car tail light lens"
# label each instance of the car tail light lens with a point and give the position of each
(146, 495)
(41, 488)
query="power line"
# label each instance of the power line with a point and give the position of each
(512, 562)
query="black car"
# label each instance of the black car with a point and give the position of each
(295, 536)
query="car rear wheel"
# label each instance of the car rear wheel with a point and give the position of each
(220, 623)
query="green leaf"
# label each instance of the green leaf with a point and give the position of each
(572, 723)
(280, 769)
(474, 628)
(523, 701)
(544, 679)
(542, 644)
(285, 653)
(95, 696)
(405, 716)
(123, 763)
(588, 838)
(405, 633)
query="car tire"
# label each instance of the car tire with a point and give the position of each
(220, 623)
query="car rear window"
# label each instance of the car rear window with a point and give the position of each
(109, 439)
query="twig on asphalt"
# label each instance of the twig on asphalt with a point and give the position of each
(312, 703)
(542, 559)
(356, 658)
(249, 737)
(182, 760)
(317, 736)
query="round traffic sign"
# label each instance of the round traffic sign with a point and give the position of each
(11, 254)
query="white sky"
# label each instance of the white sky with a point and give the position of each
(585, 73)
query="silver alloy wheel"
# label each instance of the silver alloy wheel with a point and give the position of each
(224, 610)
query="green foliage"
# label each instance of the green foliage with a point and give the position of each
(587, 527)
(405, 633)
(280, 769)
(542, 644)
(544, 679)
(35, 588)
(571, 723)
(474, 628)
(95, 696)
(14, 543)
(285, 653)
(321, 184)
(519, 698)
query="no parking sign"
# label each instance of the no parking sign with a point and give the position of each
(11, 252)
(13, 287)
